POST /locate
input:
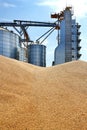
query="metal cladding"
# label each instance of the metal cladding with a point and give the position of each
(37, 54)
(68, 48)
(22, 54)
(8, 43)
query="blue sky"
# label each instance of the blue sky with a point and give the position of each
(40, 10)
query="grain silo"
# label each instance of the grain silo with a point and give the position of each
(22, 54)
(8, 43)
(68, 48)
(37, 54)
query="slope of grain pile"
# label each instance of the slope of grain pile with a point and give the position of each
(37, 98)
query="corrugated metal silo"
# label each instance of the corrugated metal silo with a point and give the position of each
(37, 54)
(22, 54)
(8, 43)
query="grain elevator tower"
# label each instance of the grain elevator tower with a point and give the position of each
(69, 44)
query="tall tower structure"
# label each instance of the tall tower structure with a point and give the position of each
(69, 45)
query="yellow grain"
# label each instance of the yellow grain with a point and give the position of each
(38, 98)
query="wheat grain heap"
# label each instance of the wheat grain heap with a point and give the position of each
(38, 98)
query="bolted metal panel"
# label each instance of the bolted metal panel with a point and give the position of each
(37, 54)
(68, 35)
(22, 54)
(8, 43)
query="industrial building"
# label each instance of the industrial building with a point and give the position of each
(68, 48)
(8, 43)
(37, 54)
(19, 46)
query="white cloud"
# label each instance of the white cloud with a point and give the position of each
(7, 5)
(80, 7)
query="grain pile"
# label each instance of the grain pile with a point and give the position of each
(36, 98)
